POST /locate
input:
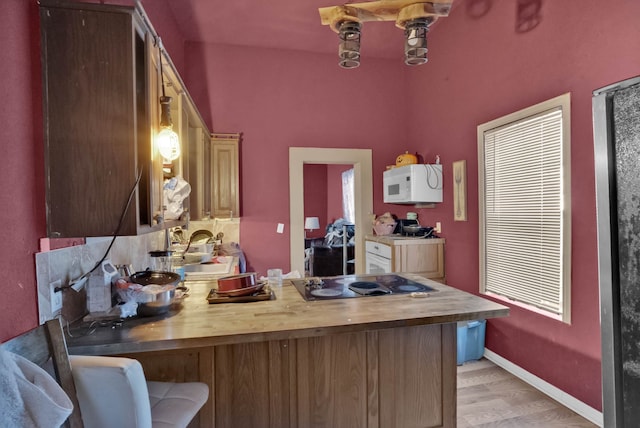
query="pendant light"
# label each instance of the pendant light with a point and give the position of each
(415, 44)
(349, 49)
(412, 16)
(167, 140)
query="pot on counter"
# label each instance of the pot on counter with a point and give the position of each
(160, 301)
(417, 230)
(155, 277)
(412, 228)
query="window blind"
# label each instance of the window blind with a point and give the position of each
(523, 210)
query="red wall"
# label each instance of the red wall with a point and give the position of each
(279, 99)
(315, 197)
(22, 174)
(480, 68)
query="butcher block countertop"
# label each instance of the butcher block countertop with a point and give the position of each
(196, 323)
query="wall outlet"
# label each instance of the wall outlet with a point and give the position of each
(280, 228)
(56, 297)
(438, 227)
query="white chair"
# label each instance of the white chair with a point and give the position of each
(113, 392)
(109, 391)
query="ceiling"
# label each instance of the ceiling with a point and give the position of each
(283, 24)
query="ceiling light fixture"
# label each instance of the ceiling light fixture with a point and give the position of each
(167, 140)
(415, 44)
(414, 18)
(349, 49)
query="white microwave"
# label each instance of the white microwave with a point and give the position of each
(413, 184)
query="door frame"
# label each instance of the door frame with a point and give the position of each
(363, 185)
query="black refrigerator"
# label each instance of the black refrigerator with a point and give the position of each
(616, 119)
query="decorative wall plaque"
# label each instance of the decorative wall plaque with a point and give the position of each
(460, 190)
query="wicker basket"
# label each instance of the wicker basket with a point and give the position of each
(384, 229)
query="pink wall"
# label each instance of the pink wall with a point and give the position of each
(315, 197)
(279, 99)
(480, 69)
(22, 196)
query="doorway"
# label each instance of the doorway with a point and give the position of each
(363, 197)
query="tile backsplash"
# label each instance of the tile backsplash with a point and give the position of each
(67, 264)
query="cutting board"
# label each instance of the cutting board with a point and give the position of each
(263, 294)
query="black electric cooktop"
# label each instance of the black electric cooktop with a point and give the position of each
(349, 286)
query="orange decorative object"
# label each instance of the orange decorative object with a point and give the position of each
(406, 159)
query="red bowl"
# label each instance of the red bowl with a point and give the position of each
(242, 291)
(236, 282)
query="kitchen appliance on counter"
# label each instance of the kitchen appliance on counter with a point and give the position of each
(99, 292)
(411, 228)
(350, 286)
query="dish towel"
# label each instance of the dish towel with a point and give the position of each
(31, 398)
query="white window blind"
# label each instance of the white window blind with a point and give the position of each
(523, 218)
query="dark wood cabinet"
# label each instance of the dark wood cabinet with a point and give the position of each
(100, 89)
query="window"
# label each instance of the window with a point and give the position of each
(348, 196)
(525, 207)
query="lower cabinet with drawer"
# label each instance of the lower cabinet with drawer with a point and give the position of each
(386, 254)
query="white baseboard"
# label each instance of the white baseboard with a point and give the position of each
(545, 387)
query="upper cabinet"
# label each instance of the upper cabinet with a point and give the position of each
(214, 169)
(225, 170)
(101, 86)
(199, 165)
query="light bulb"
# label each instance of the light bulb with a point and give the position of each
(168, 144)
(412, 38)
(415, 47)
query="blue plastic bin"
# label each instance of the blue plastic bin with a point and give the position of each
(471, 340)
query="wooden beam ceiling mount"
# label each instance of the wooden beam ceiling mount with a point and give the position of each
(400, 11)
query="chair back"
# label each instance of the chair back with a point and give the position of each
(44, 343)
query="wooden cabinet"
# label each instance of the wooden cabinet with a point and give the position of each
(199, 174)
(213, 172)
(102, 80)
(399, 377)
(422, 256)
(419, 256)
(225, 175)
(195, 160)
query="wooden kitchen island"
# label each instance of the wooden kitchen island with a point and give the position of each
(379, 361)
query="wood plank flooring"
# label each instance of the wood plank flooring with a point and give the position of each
(489, 396)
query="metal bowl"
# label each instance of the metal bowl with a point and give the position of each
(162, 300)
(160, 305)
(412, 228)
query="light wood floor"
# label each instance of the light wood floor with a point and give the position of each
(489, 396)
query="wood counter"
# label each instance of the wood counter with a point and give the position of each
(363, 362)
